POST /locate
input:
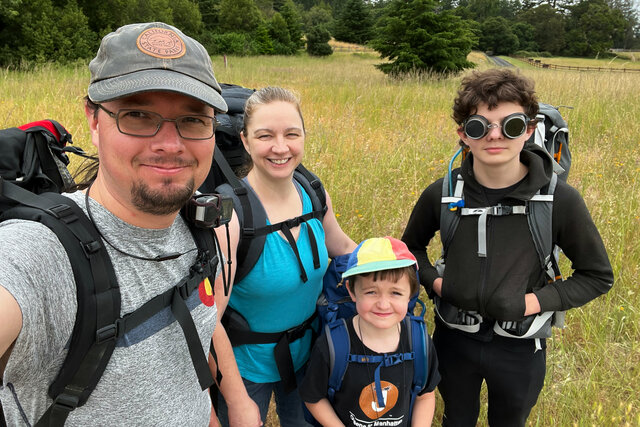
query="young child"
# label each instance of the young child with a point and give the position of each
(382, 278)
(493, 273)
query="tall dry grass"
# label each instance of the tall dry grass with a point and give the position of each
(378, 142)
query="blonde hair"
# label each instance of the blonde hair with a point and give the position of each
(261, 97)
(266, 96)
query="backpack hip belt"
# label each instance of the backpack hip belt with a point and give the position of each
(240, 334)
(532, 327)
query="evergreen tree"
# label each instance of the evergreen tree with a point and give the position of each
(262, 41)
(37, 31)
(240, 16)
(497, 36)
(594, 27)
(526, 36)
(414, 37)
(209, 12)
(484, 9)
(186, 16)
(354, 24)
(36, 28)
(149, 11)
(266, 8)
(549, 27)
(279, 33)
(318, 16)
(631, 33)
(294, 24)
(76, 40)
(318, 42)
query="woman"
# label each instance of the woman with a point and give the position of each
(279, 293)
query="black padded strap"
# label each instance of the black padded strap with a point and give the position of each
(183, 316)
(284, 363)
(97, 294)
(314, 248)
(239, 336)
(281, 352)
(287, 233)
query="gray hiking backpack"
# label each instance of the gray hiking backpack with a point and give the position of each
(552, 134)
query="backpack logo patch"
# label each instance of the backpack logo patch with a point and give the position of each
(369, 403)
(161, 43)
(205, 291)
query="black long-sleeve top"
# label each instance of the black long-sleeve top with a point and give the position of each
(495, 286)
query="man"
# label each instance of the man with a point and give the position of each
(494, 287)
(150, 107)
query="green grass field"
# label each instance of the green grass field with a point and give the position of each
(377, 143)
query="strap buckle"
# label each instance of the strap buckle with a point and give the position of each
(500, 210)
(393, 359)
(183, 289)
(293, 222)
(63, 213)
(69, 399)
(108, 332)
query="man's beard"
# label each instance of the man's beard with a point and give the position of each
(161, 202)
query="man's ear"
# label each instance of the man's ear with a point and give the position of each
(92, 120)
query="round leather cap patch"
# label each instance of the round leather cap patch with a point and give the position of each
(161, 43)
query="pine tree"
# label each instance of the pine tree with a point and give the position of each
(239, 16)
(294, 24)
(317, 42)
(280, 35)
(354, 24)
(498, 37)
(414, 37)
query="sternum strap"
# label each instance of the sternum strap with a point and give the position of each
(483, 213)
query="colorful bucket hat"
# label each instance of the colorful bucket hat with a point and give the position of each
(379, 253)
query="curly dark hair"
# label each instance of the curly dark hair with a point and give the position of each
(492, 87)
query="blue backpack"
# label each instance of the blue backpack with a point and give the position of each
(335, 306)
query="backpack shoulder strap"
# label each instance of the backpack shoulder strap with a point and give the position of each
(313, 186)
(339, 345)
(418, 332)
(251, 216)
(92, 340)
(452, 200)
(540, 208)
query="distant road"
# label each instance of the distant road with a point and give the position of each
(499, 61)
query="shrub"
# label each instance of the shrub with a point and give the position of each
(317, 42)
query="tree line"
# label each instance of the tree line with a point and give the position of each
(434, 35)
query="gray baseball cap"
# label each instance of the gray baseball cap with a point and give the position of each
(149, 57)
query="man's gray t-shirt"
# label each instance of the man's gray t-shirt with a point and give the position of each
(150, 379)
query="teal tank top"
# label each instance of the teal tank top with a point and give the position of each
(273, 298)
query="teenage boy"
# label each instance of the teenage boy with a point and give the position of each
(382, 278)
(150, 109)
(493, 277)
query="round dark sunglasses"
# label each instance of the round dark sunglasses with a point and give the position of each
(512, 126)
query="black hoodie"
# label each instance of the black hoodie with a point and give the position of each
(495, 286)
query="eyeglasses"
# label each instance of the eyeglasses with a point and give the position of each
(147, 123)
(512, 126)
